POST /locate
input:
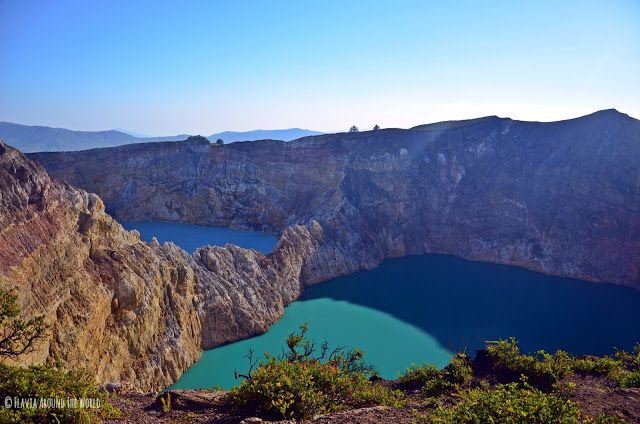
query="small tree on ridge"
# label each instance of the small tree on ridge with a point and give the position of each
(17, 336)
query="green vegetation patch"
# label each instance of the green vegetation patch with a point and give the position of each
(506, 404)
(58, 396)
(42, 393)
(300, 384)
(433, 382)
(542, 370)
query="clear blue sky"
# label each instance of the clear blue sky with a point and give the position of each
(201, 66)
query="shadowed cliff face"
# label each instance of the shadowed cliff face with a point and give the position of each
(130, 311)
(562, 198)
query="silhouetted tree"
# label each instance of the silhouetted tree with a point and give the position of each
(219, 141)
(16, 335)
(353, 129)
(376, 127)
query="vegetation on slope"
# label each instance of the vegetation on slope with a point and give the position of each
(511, 387)
(42, 393)
(500, 385)
(300, 384)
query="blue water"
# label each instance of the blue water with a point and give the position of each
(422, 309)
(389, 343)
(190, 237)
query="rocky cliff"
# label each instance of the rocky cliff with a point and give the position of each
(130, 311)
(561, 197)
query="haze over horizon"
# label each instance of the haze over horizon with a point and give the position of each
(168, 68)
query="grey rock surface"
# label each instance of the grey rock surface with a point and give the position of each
(560, 197)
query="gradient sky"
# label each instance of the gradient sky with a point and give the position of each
(162, 68)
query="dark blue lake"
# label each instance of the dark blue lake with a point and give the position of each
(422, 309)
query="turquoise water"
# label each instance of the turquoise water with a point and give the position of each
(423, 308)
(388, 342)
(190, 237)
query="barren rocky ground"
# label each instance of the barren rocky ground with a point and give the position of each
(595, 396)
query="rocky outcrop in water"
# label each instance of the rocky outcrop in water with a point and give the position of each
(561, 198)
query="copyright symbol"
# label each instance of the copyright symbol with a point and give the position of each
(7, 402)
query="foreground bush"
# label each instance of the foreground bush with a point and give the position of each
(433, 382)
(542, 370)
(526, 388)
(600, 366)
(300, 385)
(51, 382)
(512, 403)
(41, 393)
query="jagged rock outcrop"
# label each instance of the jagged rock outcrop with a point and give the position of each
(130, 311)
(244, 292)
(561, 198)
(117, 306)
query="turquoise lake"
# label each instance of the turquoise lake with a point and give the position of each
(422, 309)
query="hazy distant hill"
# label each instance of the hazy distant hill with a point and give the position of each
(284, 135)
(31, 139)
(38, 139)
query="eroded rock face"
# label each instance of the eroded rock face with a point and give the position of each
(244, 292)
(561, 198)
(129, 311)
(115, 304)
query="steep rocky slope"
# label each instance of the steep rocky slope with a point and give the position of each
(130, 311)
(562, 197)
(116, 305)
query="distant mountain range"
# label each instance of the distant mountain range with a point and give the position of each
(284, 135)
(31, 139)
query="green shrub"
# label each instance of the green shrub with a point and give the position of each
(51, 382)
(506, 404)
(459, 370)
(285, 389)
(623, 367)
(428, 378)
(435, 387)
(604, 366)
(630, 379)
(419, 375)
(363, 392)
(433, 381)
(605, 419)
(300, 385)
(543, 370)
(165, 401)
